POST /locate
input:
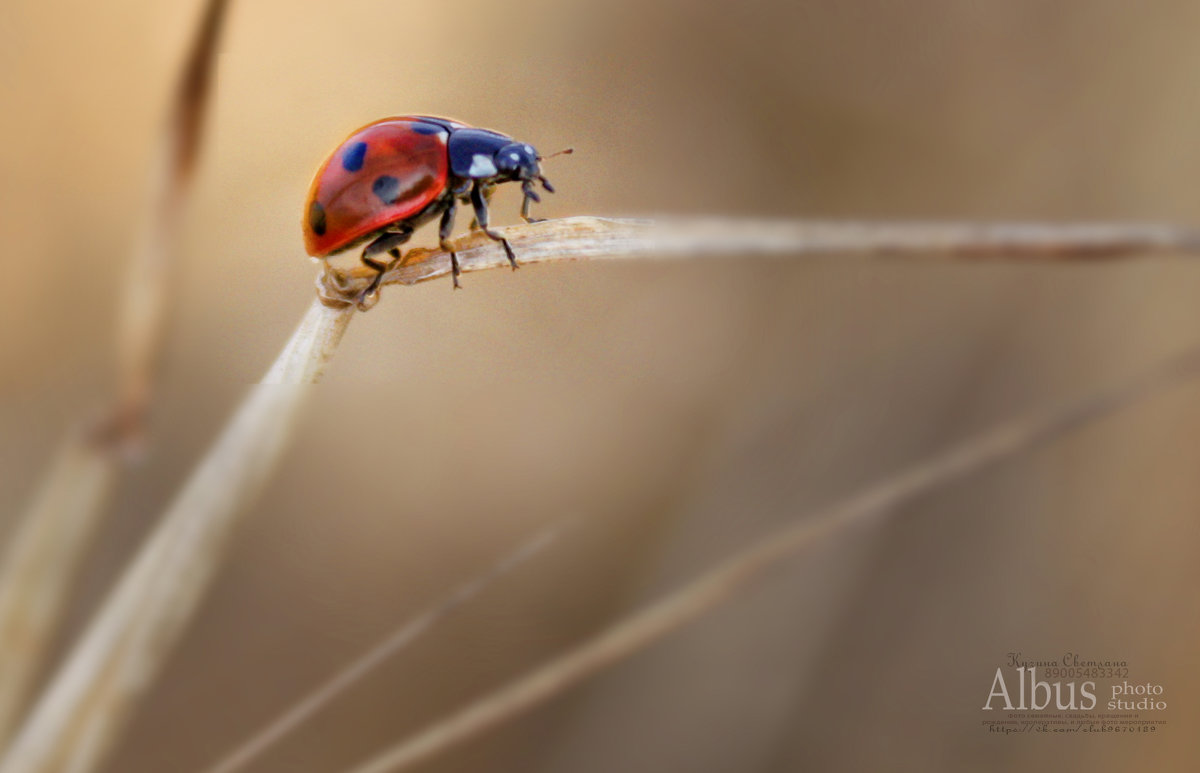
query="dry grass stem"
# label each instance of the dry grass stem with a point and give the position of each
(37, 566)
(308, 706)
(87, 703)
(40, 563)
(736, 574)
(578, 238)
(143, 319)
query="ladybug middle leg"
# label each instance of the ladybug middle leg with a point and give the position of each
(444, 231)
(487, 197)
(388, 242)
(479, 203)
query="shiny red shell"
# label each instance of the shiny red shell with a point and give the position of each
(385, 172)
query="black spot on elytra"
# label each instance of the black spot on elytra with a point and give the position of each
(421, 127)
(386, 188)
(316, 218)
(352, 159)
(422, 185)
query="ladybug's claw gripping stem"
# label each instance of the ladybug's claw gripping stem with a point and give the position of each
(390, 243)
(479, 203)
(331, 286)
(366, 298)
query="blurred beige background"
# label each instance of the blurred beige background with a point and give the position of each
(680, 410)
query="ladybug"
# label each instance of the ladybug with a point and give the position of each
(392, 176)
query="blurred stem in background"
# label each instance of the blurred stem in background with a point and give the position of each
(737, 574)
(80, 715)
(300, 712)
(40, 561)
(37, 568)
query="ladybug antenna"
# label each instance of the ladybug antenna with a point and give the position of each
(563, 152)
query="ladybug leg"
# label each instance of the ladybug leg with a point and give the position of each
(447, 225)
(487, 197)
(390, 243)
(479, 202)
(530, 196)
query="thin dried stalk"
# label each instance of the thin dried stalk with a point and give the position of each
(738, 573)
(143, 321)
(594, 238)
(36, 567)
(80, 714)
(39, 564)
(306, 707)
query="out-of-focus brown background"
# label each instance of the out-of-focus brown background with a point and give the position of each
(680, 410)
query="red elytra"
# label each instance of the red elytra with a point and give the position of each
(391, 176)
(343, 207)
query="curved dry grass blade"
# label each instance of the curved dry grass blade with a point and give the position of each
(38, 566)
(578, 238)
(85, 706)
(736, 574)
(194, 91)
(144, 314)
(308, 706)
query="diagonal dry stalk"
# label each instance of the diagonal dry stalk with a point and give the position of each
(39, 564)
(738, 573)
(144, 311)
(304, 709)
(85, 706)
(40, 561)
(89, 700)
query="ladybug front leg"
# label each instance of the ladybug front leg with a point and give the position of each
(530, 196)
(479, 202)
(390, 243)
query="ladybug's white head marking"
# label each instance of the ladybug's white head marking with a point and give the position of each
(482, 166)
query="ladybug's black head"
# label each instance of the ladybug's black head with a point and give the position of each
(518, 161)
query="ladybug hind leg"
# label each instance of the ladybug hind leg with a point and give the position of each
(479, 203)
(388, 243)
